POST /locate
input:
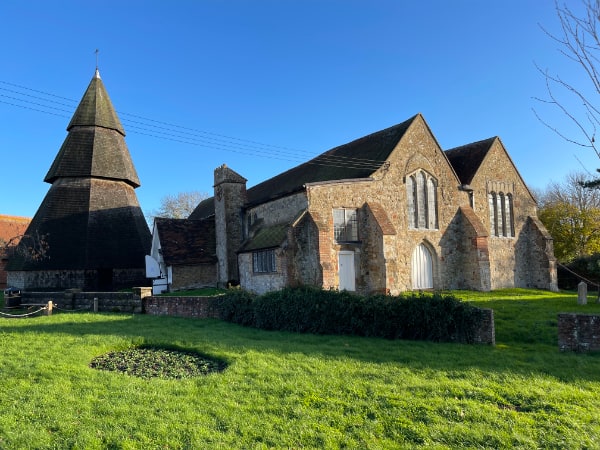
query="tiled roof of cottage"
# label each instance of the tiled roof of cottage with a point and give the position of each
(186, 241)
(357, 159)
(12, 228)
(466, 159)
(95, 145)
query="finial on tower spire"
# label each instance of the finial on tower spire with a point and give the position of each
(97, 75)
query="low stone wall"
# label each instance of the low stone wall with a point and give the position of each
(578, 332)
(71, 299)
(486, 334)
(196, 307)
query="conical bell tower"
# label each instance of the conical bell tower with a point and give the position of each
(90, 220)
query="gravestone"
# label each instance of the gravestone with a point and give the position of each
(582, 293)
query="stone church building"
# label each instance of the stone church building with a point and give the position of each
(388, 212)
(90, 219)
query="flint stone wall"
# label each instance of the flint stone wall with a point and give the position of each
(126, 302)
(578, 332)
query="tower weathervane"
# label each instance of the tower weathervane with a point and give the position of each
(96, 52)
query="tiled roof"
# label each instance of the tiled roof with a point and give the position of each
(206, 208)
(466, 159)
(12, 227)
(266, 237)
(95, 145)
(386, 225)
(357, 159)
(187, 241)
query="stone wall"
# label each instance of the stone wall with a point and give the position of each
(578, 332)
(261, 283)
(72, 299)
(486, 333)
(73, 279)
(194, 276)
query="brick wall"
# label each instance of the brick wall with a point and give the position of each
(194, 307)
(578, 332)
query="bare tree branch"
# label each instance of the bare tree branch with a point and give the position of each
(580, 43)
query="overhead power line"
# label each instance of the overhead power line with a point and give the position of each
(48, 103)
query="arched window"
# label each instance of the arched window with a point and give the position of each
(432, 204)
(493, 213)
(411, 197)
(501, 214)
(421, 194)
(510, 227)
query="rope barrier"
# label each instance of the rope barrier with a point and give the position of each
(578, 276)
(16, 316)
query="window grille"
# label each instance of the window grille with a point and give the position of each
(263, 261)
(501, 214)
(345, 225)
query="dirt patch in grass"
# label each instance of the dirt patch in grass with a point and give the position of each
(158, 362)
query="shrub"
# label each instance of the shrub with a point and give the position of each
(415, 316)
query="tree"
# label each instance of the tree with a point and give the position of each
(178, 206)
(571, 213)
(579, 42)
(31, 247)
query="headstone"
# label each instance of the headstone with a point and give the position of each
(582, 293)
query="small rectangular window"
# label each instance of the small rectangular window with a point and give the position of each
(263, 261)
(345, 225)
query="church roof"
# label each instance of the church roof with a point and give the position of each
(186, 241)
(357, 159)
(95, 145)
(467, 159)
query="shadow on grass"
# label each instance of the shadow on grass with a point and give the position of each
(526, 341)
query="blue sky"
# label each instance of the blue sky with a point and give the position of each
(263, 85)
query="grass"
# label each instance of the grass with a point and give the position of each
(284, 390)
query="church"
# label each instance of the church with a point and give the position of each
(386, 213)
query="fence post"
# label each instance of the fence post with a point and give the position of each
(49, 308)
(95, 304)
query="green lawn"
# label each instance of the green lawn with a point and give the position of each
(283, 390)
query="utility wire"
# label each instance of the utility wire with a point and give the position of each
(176, 133)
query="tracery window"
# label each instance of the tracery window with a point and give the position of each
(421, 192)
(501, 214)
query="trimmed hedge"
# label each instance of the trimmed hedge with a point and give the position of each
(415, 316)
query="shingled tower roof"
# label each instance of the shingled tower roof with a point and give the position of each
(94, 146)
(90, 217)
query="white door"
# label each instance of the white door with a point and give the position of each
(422, 268)
(346, 270)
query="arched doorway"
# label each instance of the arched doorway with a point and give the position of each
(422, 268)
